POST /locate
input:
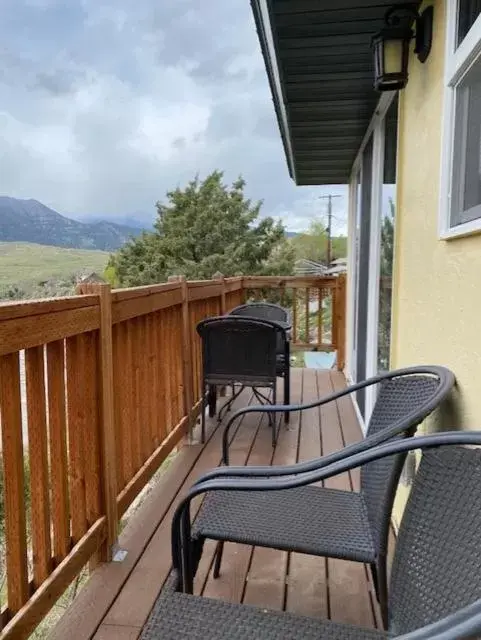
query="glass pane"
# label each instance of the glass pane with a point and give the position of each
(468, 11)
(466, 200)
(387, 239)
(393, 56)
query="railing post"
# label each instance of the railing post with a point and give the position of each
(243, 291)
(188, 384)
(108, 468)
(219, 276)
(341, 321)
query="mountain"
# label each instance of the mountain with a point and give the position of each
(32, 221)
(137, 221)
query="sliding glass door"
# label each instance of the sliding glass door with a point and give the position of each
(372, 246)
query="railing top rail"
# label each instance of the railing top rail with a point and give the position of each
(21, 309)
(147, 290)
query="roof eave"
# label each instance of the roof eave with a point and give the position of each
(260, 10)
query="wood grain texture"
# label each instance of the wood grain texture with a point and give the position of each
(92, 435)
(57, 424)
(39, 472)
(138, 305)
(76, 430)
(14, 482)
(108, 444)
(32, 331)
(187, 373)
(22, 624)
(118, 350)
(11, 310)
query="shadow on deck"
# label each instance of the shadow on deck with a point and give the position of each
(119, 596)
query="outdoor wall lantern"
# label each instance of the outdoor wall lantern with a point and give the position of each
(391, 44)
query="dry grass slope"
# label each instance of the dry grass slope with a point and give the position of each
(26, 265)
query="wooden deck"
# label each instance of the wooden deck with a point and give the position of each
(119, 596)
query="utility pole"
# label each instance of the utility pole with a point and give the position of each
(329, 198)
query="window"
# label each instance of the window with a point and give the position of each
(468, 11)
(461, 205)
(466, 190)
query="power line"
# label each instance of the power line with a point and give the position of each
(329, 223)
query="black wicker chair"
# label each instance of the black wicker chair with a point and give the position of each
(435, 589)
(319, 521)
(238, 350)
(269, 311)
(262, 310)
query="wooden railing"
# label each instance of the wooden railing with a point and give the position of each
(317, 308)
(95, 391)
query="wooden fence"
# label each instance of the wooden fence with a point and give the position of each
(95, 391)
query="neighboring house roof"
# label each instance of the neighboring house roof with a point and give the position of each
(320, 67)
(334, 271)
(309, 267)
(91, 278)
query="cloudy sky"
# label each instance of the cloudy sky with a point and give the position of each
(105, 105)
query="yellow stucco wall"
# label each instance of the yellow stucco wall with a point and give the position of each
(437, 283)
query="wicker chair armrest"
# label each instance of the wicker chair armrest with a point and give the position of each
(465, 623)
(267, 471)
(446, 376)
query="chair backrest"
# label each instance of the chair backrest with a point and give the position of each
(437, 562)
(238, 349)
(264, 310)
(403, 401)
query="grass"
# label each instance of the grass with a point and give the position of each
(26, 265)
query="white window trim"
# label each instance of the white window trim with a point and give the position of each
(458, 62)
(374, 262)
(376, 128)
(351, 270)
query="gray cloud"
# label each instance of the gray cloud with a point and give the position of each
(108, 104)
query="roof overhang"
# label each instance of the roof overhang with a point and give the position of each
(320, 68)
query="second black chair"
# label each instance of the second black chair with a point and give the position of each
(239, 350)
(270, 311)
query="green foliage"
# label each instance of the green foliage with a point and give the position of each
(312, 245)
(385, 288)
(387, 242)
(202, 229)
(110, 275)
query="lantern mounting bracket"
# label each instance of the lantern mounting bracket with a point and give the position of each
(406, 14)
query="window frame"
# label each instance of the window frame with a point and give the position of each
(458, 61)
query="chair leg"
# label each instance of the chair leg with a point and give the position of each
(374, 579)
(287, 392)
(274, 401)
(287, 379)
(382, 589)
(212, 400)
(218, 558)
(202, 418)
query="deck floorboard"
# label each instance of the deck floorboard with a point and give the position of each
(117, 599)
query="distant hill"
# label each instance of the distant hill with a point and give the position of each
(38, 270)
(291, 234)
(32, 221)
(137, 221)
